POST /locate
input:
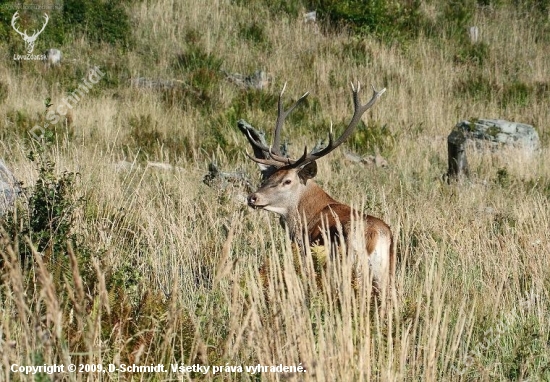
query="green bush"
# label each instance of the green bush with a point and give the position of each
(247, 101)
(456, 17)
(397, 19)
(45, 214)
(516, 93)
(200, 73)
(194, 58)
(100, 21)
(52, 203)
(373, 138)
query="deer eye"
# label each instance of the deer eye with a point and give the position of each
(287, 182)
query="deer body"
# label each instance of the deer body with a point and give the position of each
(289, 190)
(306, 208)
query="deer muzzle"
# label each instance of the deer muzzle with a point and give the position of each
(252, 200)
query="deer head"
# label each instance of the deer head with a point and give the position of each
(29, 40)
(287, 181)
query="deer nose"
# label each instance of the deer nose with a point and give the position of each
(252, 199)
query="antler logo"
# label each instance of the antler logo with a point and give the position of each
(29, 40)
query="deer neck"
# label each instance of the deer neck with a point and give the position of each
(308, 209)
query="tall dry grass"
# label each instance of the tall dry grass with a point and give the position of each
(168, 270)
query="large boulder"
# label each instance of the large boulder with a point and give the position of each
(9, 188)
(495, 133)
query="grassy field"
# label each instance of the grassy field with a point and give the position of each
(112, 262)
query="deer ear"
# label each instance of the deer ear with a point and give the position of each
(308, 171)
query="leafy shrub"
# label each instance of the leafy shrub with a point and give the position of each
(144, 133)
(100, 21)
(456, 17)
(513, 92)
(503, 177)
(248, 101)
(116, 74)
(194, 57)
(304, 115)
(21, 124)
(17, 123)
(201, 75)
(301, 120)
(373, 138)
(186, 96)
(79, 288)
(45, 213)
(397, 19)
(516, 93)
(52, 203)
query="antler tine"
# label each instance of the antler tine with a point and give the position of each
(272, 155)
(358, 112)
(277, 160)
(280, 161)
(281, 116)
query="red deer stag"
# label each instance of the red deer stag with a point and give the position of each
(289, 190)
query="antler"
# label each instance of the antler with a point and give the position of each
(273, 154)
(358, 112)
(13, 19)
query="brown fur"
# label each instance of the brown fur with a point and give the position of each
(316, 205)
(308, 202)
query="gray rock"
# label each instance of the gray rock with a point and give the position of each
(9, 188)
(53, 57)
(154, 83)
(310, 17)
(473, 33)
(258, 80)
(369, 160)
(497, 133)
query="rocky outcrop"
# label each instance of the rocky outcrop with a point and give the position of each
(487, 134)
(496, 133)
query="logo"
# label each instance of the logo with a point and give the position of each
(29, 40)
